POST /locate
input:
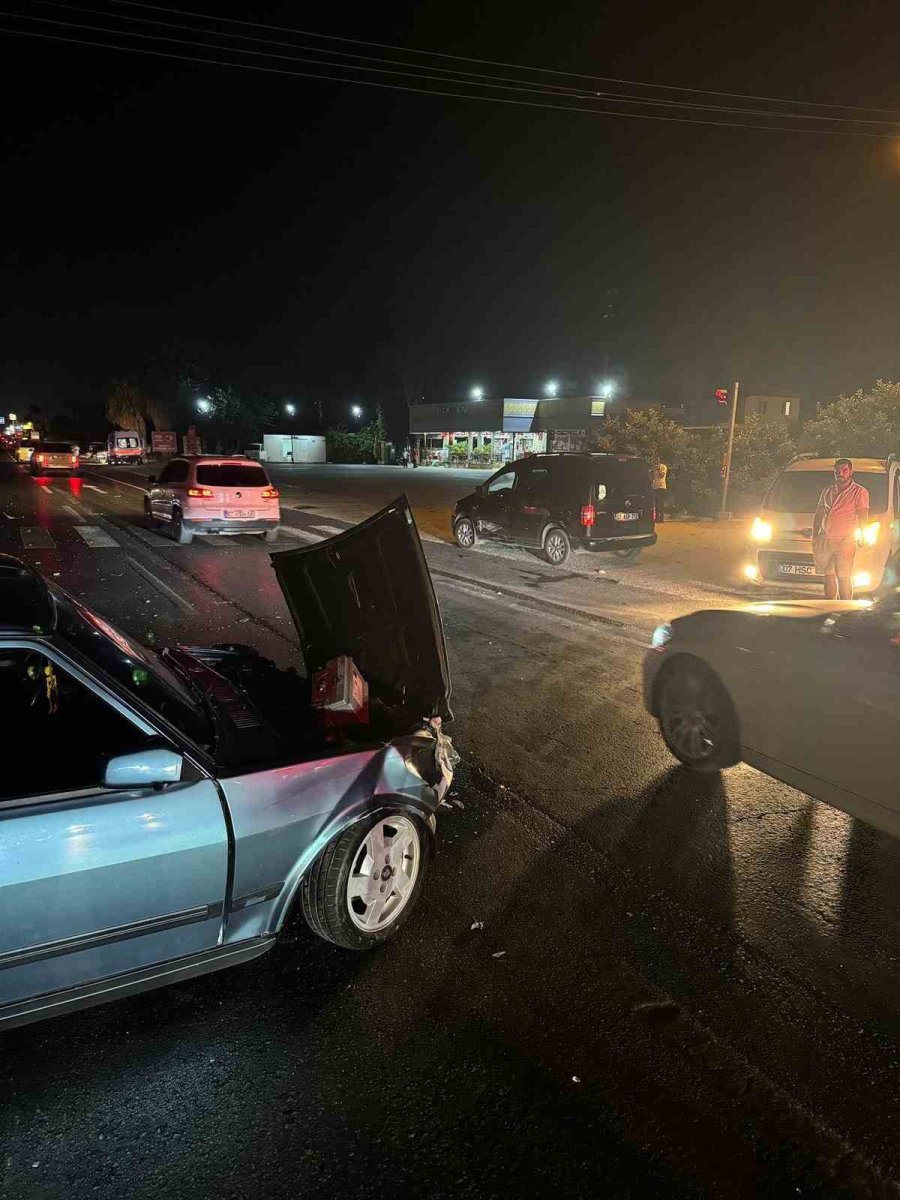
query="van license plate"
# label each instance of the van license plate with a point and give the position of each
(796, 569)
(627, 516)
(239, 512)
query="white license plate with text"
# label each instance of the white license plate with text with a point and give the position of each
(239, 512)
(627, 516)
(796, 569)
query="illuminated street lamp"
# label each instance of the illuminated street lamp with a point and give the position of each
(356, 411)
(203, 404)
(551, 387)
(477, 393)
(290, 409)
(607, 389)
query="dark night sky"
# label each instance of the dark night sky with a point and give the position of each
(306, 237)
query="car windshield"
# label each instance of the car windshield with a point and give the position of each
(139, 670)
(799, 491)
(232, 475)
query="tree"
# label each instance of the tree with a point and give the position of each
(233, 419)
(129, 407)
(864, 424)
(761, 449)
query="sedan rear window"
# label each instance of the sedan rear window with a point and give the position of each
(232, 475)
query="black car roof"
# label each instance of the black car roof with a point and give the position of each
(25, 601)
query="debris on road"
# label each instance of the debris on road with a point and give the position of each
(477, 925)
(498, 954)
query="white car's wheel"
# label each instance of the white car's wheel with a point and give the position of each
(367, 880)
(696, 716)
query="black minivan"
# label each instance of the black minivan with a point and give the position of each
(557, 503)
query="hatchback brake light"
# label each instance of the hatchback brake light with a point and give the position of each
(197, 492)
(588, 515)
(269, 493)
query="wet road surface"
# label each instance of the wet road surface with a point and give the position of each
(681, 986)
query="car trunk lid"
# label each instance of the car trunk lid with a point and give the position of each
(368, 593)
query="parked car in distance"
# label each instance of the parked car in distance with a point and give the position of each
(194, 797)
(807, 691)
(47, 457)
(256, 452)
(24, 451)
(125, 446)
(209, 494)
(95, 452)
(557, 503)
(779, 551)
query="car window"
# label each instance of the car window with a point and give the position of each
(232, 475)
(503, 483)
(799, 491)
(533, 478)
(127, 443)
(64, 733)
(135, 668)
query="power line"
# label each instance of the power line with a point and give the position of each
(596, 112)
(414, 70)
(487, 62)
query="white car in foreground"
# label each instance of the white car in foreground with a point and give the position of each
(807, 691)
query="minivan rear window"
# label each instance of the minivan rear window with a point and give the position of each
(629, 477)
(232, 475)
(799, 491)
(127, 443)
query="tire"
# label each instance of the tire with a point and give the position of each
(631, 554)
(182, 536)
(341, 899)
(270, 536)
(148, 515)
(464, 533)
(557, 546)
(696, 716)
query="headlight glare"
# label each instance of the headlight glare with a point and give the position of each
(870, 533)
(761, 531)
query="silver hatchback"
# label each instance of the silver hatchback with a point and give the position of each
(176, 806)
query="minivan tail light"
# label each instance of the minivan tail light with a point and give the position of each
(270, 494)
(198, 492)
(588, 515)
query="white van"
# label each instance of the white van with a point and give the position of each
(125, 446)
(779, 550)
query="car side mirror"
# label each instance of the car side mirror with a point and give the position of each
(151, 479)
(146, 768)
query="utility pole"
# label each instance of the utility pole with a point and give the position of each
(724, 515)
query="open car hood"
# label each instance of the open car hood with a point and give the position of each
(368, 593)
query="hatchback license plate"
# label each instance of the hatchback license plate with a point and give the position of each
(627, 516)
(796, 569)
(239, 512)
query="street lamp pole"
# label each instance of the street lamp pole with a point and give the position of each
(724, 515)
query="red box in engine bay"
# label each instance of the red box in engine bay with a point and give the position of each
(340, 694)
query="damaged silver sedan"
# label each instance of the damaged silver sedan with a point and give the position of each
(175, 806)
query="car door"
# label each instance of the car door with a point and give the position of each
(494, 508)
(835, 713)
(171, 491)
(159, 504)
(94, 882)
(530, 502)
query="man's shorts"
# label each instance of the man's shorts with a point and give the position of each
(834, 558)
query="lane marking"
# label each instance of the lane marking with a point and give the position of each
(94, 488)
(112, 479)
(161, 587)
(73, 512)
(44, 488)
(36, 537)
(96, 538)
(329, 530)
(290, 531)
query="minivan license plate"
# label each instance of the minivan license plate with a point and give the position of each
(796, 569)
(627, 516)
(239, 512)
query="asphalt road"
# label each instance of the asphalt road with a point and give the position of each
(697, 992)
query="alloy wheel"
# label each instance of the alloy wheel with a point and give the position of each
(384, 873)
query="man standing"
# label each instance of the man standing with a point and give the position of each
(841, 515)
(659, 477)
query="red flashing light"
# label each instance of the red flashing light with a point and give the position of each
(198, 492)
(588, 515)
(722, 395)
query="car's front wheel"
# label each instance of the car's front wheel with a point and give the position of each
(464, 532)
(696, 716)
(367, 880)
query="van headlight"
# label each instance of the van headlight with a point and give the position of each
(761, 531)
(662, 634)
(871, 532)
